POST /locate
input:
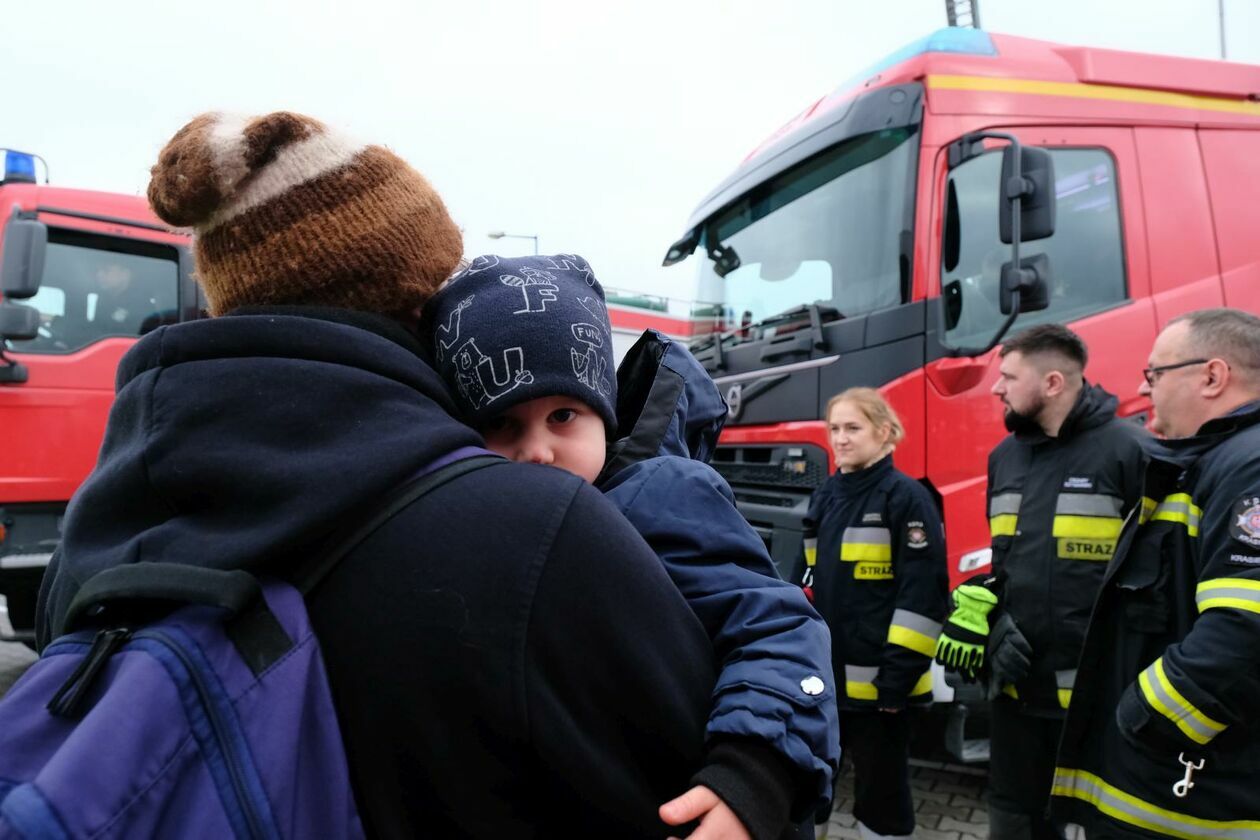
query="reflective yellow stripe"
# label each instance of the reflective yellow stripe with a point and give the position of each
(1009, 691)
(1127, 808)
(859, 683)
(1179, 508)
(1079, 90)
(912, 639)
(1148, 509)
(1167, 700)
(861, 690)
(1232, 593)
(1087, 527)
(865, 553)
(1003, 525)
(811, 551)
(1065, 680)
(915, 631)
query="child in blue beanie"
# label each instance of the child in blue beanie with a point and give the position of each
(525, 347)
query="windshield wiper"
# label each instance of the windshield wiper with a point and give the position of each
(801, 343)
(817, 312)
(716, 341)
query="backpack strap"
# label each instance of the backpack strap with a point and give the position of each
(312, 575)
(106, 596)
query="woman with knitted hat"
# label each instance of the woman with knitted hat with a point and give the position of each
(505, 654)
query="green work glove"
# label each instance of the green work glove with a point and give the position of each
(961, 645)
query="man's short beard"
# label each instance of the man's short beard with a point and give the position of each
(1029, 420)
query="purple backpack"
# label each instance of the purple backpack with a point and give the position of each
(214, 720)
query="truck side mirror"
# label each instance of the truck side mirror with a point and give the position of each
(683, 248)
(18, 322)
(25, 241)
(1036, 184)
(1031, 283)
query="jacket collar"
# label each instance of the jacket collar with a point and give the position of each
(1210, 435)
(860, 481)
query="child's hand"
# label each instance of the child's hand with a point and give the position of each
(717, 820)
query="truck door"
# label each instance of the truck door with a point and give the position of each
(1184, 270)
(1231, 161)
(1099, 287)
(97, 294)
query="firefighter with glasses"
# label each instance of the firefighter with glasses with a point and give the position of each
(1059, 488)
(1163, 736)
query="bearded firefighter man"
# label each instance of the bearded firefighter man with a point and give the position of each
(1059, 488)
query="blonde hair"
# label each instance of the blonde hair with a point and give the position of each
(874, 407)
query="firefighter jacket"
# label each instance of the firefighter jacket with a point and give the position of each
(1055, 510)
(875, 560)
(1168, 694)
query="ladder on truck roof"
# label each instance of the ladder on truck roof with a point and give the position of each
(964, 13)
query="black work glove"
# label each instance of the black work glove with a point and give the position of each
(1009, 655)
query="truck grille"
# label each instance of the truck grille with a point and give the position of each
(801, 467)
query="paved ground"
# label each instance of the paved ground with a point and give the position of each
(948, 801)
(14, 660)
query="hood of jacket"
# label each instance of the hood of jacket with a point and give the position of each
(246, 441)
(667, 404)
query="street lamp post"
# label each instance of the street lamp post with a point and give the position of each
(498, 234)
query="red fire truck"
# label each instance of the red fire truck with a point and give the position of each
(83, 275)
(872, 241)
(876, 240)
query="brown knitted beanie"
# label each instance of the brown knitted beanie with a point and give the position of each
(286, 211)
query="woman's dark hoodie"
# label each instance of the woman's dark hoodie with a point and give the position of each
(507, 656)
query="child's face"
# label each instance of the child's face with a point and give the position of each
(561, 431)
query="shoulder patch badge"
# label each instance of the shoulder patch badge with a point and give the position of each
(1244, 525)
(916, 535)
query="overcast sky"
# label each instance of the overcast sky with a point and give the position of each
(596, 125)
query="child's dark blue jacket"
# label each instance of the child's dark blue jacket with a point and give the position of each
(773, 649)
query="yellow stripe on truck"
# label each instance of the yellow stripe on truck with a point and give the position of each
(1078, 90)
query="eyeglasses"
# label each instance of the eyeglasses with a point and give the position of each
(1153, 374)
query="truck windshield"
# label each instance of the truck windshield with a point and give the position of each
(829, 231)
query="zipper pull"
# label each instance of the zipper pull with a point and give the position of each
(69, 699)
(1182, 788)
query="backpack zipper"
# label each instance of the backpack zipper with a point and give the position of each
(69, 699)
(255, 820)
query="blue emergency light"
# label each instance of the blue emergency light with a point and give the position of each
(19, 168)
